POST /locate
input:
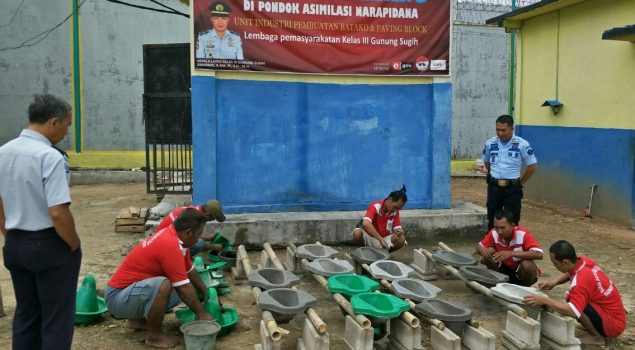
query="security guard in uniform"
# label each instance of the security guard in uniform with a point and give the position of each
(504, 155)
(219, 42)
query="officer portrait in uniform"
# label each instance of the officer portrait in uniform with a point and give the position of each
(219, 42)
(504, 156)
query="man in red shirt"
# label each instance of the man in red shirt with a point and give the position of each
(593, 299)
(213, 210)
(381, 226)
(511, 250)
(156, 276)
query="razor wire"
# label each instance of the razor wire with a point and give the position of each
(476, 12)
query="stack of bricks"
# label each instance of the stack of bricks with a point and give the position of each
(132, 220)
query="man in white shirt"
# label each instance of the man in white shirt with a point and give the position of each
(42, 249)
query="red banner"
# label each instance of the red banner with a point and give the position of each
(377, 37)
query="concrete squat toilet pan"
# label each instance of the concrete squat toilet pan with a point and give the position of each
(351, 284)
(515, 294)
(453, 259)
(329, 267)
(314, 251)
(389, 270)
(368, 255)
(453, 314)
(270, 278)
(285, 303)
(483, 275)
(414, 289)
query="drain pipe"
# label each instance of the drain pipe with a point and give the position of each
(274, 331)
(475, 285)
(406, 316)
(313, 316)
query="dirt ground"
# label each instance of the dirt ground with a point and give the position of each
(95, 207)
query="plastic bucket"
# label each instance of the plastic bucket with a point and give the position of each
(200, 335)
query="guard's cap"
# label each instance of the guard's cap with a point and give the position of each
(214, 209)
(219, 9)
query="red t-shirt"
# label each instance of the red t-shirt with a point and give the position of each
(169, 219)
(161, 254)
(521, 241)
(384, 224)
(590, 285)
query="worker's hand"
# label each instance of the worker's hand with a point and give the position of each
(204, 316)
(398, 231)
(535, 300)
(547, 285)
(484, 252)
(383, 243)
(502, 255)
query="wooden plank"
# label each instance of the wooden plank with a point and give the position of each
(134, 212)
(130, 221)
(130, 228)
(127, 216)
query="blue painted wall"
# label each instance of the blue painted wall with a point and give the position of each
(262, 146)
(571, 159)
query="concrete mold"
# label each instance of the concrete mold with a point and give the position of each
(329, 267)
(389, 270)
(270, 278)
(368, 255)
(414, 289)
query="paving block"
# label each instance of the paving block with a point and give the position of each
(290, 261)
(311, 339)
(257, 347)
(478, 338)
(237, 277)
(264, 260)
(513, 343)
(404, 335)
(359, 270)
(527, 330)
(266, 342)
(546, 342)
(395, 346)
(444, 339)
(558, 327)
(426, 267)
(356, 337)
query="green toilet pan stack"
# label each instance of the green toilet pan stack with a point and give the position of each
(225, 316)
(89, 307)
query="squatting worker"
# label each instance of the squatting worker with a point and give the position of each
(504, 156)
(381, 227)
(592, 299)
(212, 210)
(511, 250)
(42, 249)
(156, 276)
(219, 42)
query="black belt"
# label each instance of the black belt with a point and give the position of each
(504, 182)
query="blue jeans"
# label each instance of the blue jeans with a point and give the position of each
(44, 273)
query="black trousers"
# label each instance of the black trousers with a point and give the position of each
(44, 273)
(503, 198)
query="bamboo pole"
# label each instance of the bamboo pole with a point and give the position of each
(272, 256)
(476, 286)
(312, 315)
(274, 331)
(341, 301)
